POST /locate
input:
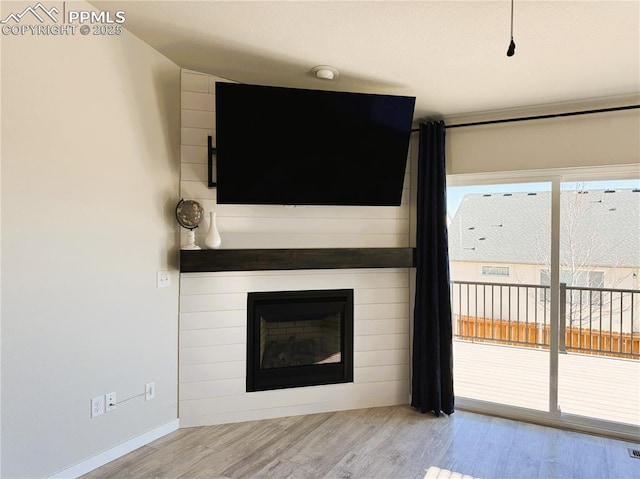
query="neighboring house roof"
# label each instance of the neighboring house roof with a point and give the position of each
(599, 227)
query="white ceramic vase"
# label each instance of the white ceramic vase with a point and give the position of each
(213, 240)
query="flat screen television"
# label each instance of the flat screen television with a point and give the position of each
(288, 146)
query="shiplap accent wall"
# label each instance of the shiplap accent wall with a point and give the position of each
(213, 305)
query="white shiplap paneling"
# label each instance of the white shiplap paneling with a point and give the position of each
(194, 82)
(213, 355)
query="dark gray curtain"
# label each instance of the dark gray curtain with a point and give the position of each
(432, 381)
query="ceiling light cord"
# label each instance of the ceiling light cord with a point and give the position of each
(512, 46)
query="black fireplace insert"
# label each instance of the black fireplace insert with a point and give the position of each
(299, 338)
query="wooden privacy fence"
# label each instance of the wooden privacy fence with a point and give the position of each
(536, 335)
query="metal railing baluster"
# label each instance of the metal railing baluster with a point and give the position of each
(620, 335)
(506, 319)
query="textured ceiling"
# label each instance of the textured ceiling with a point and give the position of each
(451, 55)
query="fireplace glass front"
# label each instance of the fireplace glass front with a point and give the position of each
(299, 338)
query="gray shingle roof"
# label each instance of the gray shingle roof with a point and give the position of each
(602, 226)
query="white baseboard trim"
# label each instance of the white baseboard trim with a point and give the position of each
(120, 450)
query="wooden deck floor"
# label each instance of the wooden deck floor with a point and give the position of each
(592, 386)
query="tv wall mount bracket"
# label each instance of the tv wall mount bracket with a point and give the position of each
(211, 152)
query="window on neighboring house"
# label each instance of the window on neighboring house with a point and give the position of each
(495, 271)
(588, 279)
(596, 279)
(591, 279)
(545, 279)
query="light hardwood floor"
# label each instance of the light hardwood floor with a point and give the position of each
(387, 442)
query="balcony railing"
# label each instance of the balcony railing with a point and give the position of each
(599, 321)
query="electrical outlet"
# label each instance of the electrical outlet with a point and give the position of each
(110, 404)
(149, 391)
(97, 406)
(163, 279)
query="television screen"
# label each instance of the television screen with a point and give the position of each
(287, 146)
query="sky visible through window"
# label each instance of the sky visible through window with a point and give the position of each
(455, 194)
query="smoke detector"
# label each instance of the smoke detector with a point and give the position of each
(324, 72)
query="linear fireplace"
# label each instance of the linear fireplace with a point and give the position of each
(299, 338)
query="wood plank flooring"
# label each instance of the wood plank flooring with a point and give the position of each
(388, 442)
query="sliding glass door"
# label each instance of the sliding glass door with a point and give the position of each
(599, 361)
(498, 241)
(545, 287)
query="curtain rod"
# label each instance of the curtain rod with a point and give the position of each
(542, 117)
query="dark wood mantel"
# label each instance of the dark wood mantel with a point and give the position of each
(210, 260)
